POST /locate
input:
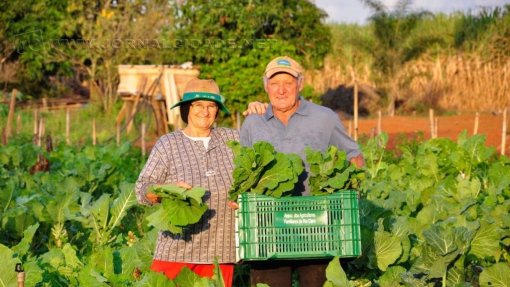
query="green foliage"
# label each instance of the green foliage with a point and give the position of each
(396, 41)
(438, 203)
(433, 213)
(240, 78)
(262, 170)
(331, 171)
(234, 40)
(335, 275)
(496, 275)
(215, 32)
(179, 207)
(486, 32)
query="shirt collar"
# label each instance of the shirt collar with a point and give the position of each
(302, 109)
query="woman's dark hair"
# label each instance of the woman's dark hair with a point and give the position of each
(184, 108)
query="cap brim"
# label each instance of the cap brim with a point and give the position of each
(221, 105)
(272, 72)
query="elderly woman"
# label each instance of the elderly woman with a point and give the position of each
(195, 156)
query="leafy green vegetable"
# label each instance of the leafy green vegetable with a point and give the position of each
(179, 207)
(330, 171)
(263, 170)
(335, 275)
(498, 275)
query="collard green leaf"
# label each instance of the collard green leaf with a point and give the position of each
(497, 275)
(411, 281)
(260, 169)
(184, 213)
(392, 277)
(387, 248)
(154, 279)
(485, 243)
(179, 208)
(8, 276)
(436, 264)
(440, 239)
(330, 171)
(22, 248)
(335, 274)
(189, 278)
(456, 274)
(122, 204)
(88, 276)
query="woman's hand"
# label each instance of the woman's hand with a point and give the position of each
(233, 205)
(183, 185)
(153, 198)
(256, 108)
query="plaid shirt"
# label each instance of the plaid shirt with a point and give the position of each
(176, 158)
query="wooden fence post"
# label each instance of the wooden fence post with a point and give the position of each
(379, 122)
(94, 141)
(10, 116)
(477, 119)
(431, 121)
(36, 121)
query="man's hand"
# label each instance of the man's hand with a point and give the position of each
(256, 108)
(358, 161)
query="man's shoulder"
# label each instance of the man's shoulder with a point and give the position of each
(253, 119)
(318, 110)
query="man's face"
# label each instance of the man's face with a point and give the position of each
(283, 91)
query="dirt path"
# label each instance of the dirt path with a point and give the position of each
(448, 126)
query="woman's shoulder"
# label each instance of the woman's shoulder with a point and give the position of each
(227, 133)
(166, 140)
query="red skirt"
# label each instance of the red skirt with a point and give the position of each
(171, 269)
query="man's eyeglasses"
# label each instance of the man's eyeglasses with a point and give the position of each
(201, 107)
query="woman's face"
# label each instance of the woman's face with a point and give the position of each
(202, 114)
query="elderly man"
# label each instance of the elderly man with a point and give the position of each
(290, 123)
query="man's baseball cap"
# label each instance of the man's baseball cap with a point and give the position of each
(208, 90)
(283, 64)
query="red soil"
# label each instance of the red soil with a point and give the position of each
(489, 125)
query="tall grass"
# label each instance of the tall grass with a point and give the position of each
(467, 69)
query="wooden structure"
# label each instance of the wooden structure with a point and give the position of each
(157, 86)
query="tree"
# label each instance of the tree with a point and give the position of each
(82, 39)
(234, 40)
(394, 43)
(110, 33)
(26, 30)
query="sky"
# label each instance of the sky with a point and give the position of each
(353, 11)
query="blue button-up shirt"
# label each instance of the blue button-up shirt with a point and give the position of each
(311, 125)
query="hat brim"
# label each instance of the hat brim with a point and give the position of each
(220, 104)
(272, 72)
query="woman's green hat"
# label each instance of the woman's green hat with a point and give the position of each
(208, 90)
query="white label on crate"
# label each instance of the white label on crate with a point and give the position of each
(292, 218)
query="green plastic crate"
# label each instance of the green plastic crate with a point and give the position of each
(298, 227)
